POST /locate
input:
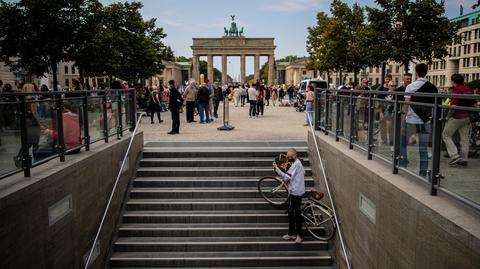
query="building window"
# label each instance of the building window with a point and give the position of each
(73, 69)
(66, 69)
(67, 83)
(304, 72)
(376, 81)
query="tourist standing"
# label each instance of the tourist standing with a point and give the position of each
(189, 95)
(154, 105)
(203, 99)
(309, 104)
(236, 96)
(217, 97)
(243, 95)
(407, 80)
(418, 116)
(260, 100)
(252, 99)
(175, 104)
(458, 121)
(274, 96)
(268, 95)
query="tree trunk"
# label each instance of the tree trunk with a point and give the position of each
(406, 65)
(340, 79)
(384, 67)
(355, 78)
(55, 79)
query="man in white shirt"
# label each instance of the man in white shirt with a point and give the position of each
(252, 99)
(418, 119)
(296, 188)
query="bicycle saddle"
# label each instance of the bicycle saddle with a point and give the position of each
(317, 195)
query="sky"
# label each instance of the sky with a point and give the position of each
(285, 20)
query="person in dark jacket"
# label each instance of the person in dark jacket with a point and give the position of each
(203, 98)
(175, 104)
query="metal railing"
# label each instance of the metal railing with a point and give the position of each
(38, 127)
(120, 171)
(369, 121)
(327, 186)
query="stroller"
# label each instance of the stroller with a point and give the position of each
(300, 102)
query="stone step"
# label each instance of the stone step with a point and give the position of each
(277, 267)
(208, 182)
(218, 152)
(266, 259)
(210, 162)
(203, 229)
(226, 144)
(209, 172)
(199, 204)
(230, 216)
(195, 193)
(214, 244)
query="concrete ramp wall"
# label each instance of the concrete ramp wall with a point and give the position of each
(49, 221)
(391, 221)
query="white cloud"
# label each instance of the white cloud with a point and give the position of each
(293, 6)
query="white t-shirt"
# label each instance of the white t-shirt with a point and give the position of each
(252, 94)
(412, 117)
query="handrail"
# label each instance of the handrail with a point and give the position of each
(113, 190)
(347, 260)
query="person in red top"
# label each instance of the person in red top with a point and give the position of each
(458, 120)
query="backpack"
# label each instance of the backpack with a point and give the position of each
(424, 112)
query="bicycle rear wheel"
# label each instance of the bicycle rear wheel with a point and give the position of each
(273, 190)
(319, 222)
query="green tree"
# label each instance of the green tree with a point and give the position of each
(394, 33)
(123, 44)
(36, 35)
(289, 58)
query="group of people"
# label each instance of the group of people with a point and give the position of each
(416, 120)
(203, 100)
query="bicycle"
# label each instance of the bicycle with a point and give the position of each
(317, 216)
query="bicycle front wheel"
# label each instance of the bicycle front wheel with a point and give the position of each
(273, 190)
(319, 222)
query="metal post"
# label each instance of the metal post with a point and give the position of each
(105, 117)
(26, 159)
(120, 116)
(337, 118)
(133, 110)
(397, 135)
(86, 131)
(435, 175)
(61, 141)
(371, 118)
(317, 109)
(352, 121)
(327, 112)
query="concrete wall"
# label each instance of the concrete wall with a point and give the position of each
(27, 238)
(410, 229)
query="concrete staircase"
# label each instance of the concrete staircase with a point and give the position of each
(196, 205)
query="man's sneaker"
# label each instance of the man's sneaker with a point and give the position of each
(298, 240)
(454, 161)
(288, 237)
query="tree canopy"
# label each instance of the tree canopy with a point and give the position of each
(111, 40)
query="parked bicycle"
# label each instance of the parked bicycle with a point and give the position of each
(317, 216)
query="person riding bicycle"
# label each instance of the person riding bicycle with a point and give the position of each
(295, 175)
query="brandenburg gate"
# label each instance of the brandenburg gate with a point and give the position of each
(233, 43)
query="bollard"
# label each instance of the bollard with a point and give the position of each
(226, 116)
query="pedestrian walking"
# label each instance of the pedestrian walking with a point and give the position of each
(260, 100)
(154, 105)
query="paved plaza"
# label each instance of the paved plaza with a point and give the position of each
(278, 123)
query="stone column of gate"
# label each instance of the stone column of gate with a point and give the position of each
(242, 69)
(224, 69)
(195, 67)
(256, 67)
(210, 68)
(271, 71)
